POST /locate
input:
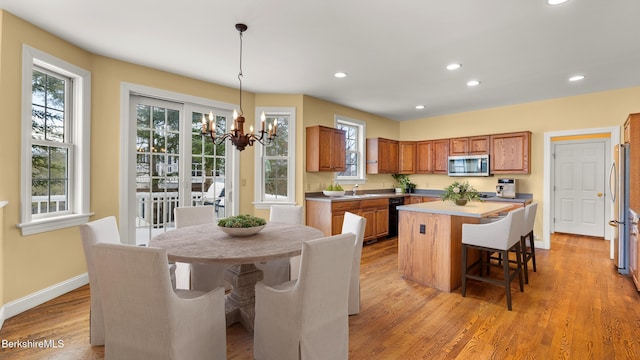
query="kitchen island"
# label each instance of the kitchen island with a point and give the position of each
(430, 240)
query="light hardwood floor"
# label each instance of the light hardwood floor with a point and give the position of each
(575, 307)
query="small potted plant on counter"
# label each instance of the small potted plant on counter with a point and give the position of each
(404, 183)
(460, 193)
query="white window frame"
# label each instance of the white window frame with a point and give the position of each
(79, 158)
(361, 178)
(259, 201)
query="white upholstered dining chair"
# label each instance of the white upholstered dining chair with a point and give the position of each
(204, 277)
(355, 224)
(281, 270)
(145, 318)
(308, 318)
(104, 230)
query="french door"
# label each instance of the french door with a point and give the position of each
(174, 165)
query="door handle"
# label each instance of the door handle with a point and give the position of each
(599, 194)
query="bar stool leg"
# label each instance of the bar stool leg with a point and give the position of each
(464, 270)
(507, 278)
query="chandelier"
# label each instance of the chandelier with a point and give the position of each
(236, 134)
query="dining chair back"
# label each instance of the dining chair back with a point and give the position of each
(203, 277)
(104, 230)
(355, 224)
(281, 270)
(308, 318)
(145, 318)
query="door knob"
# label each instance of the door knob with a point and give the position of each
(599, 194)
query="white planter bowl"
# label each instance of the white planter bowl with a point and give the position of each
(241, 232)
(333, 193)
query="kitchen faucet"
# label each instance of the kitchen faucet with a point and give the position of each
(355, 189)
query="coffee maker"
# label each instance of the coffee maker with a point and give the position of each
(506, 188)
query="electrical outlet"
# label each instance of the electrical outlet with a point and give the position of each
(423, 229)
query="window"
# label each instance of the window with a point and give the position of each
(275, 163)
(355, 135)
(55, 138)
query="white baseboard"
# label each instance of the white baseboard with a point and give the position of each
(30, 301)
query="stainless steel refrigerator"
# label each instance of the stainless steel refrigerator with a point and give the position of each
(619, 187)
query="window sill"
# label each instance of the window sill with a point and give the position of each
(267, 205)
(53, 223)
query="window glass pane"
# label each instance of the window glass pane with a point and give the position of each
(280, 144)
(158, 142)
(172, 143)
(173, 120)
(159, 119)
(143, 115)
(49, 185)
(275, 179)
(48, 107)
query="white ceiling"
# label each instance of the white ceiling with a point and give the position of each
(394, 51)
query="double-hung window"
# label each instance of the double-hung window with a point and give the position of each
(55, 138)
(275, 162)
(355, 139)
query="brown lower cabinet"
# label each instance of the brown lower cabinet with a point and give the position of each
(328, 216)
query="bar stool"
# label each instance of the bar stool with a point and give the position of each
(500, 236)
(529, 254)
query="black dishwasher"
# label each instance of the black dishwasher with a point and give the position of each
(394, 202)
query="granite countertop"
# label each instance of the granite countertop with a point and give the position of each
(376, 194)
(473, 209)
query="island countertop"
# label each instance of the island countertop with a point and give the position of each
(472, 209)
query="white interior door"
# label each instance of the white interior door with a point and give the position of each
(579, 187)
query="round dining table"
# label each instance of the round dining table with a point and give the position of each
(207, 244)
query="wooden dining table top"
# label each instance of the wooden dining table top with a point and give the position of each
(206, 243)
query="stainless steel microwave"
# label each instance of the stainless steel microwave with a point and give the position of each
(469, 165)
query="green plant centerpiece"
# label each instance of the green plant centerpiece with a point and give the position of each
(241, 221)
(460, 193)
(241, 225)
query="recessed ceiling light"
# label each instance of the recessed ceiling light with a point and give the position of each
(473, 83)
(556, 2)
(419, 107)
(576, 78)
(340, 74)
(454, 66)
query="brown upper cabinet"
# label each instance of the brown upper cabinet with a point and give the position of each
(326, 149)
(469, 145)
(424, 157)
(407, 157)
(441, 156)
(510, 153)
(382, 156)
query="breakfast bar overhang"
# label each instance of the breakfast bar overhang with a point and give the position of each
(430, 240)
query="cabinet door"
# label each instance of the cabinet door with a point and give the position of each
(479, 145)
(370, 228)
(382, 156)
(407, 157)
(336, 223)
(415, 199)
(459, 146)
(424, 157)
(389, 156)
(510, 153)
(382, 222)
(440, 156)
(338, 150)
